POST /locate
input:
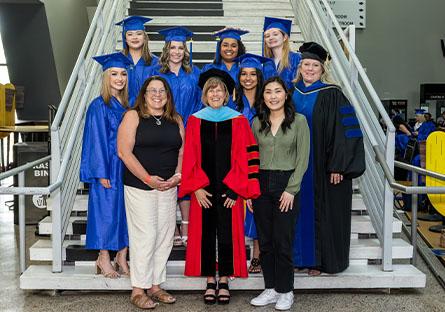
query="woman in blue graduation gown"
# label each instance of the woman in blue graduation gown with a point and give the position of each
(228, 48)
(101, 167)
(248, 96)
(323, 231)
(277, 47)
(175, 65)
(135, 47)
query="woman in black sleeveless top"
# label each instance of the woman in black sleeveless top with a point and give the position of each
(150, 143)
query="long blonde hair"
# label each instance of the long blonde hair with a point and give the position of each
(284, 62)
(105, 91)
(146, 54)
(165, 57)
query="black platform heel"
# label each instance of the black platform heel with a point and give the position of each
(210, 298)
(223, 299)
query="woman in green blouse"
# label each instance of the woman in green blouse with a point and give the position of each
(283, 139)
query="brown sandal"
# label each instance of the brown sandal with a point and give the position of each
(313, 272)
(255, 266)
(162, 296)
(142, 301)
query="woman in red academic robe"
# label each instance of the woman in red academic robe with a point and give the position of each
(220, 169)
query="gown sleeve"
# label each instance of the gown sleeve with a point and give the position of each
(95, 160)
(193, 177)
(302, 159)
(345, 150)
(243, 175)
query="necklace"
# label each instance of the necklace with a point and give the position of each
(158, 120)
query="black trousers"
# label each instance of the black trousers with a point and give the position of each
(275, 230)
(217, 224)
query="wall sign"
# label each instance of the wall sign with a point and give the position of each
(349, 12)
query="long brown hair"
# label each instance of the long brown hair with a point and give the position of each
(146, 54)
(165, 57)
(169, 109)
(105, 91)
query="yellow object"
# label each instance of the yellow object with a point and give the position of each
(435, 161)
(7, 108)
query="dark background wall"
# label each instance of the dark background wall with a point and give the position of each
(28, 51)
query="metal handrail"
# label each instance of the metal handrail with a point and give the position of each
(23, 167)
(409, 189)
(76, 70)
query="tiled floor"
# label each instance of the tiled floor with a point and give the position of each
(12, 299)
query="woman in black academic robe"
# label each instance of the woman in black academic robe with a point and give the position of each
(323, 231)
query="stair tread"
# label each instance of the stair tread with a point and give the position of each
(359, 249)
(356, 276)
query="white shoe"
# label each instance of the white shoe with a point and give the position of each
(268, 296)
(285, 301)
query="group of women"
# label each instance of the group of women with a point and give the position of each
(241, 153)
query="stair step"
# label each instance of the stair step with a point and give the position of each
(81, 202)
(356, 276)
(255, 22)
(73, 250)
(360, 224)
(177, 5)
(175, 12)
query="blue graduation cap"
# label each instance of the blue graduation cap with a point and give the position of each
(419, 111)
(227, 33)
(230, 33)
(112, 60)
(282, 24)
(178, 33)
(132, 23)
(249, 60)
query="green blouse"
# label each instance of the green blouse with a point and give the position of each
(285, 151)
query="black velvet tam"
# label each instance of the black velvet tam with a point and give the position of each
(312, 50)
(214, 72)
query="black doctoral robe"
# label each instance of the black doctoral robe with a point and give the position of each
(323, 230)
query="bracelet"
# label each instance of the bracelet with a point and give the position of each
(178, 174)
(147, 179)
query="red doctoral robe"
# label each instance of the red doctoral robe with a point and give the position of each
(242, 179)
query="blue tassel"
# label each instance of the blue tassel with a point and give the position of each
(191, 51)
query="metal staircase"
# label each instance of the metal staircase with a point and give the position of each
(379, 257)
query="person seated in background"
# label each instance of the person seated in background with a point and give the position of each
(426, 128)
(441, 120)
(420, 118)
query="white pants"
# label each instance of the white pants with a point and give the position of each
(151, 217)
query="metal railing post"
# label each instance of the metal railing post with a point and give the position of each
(56, 211)
(22, 224)
(389, 205)
(414, 206)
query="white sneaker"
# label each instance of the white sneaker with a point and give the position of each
(285, 301)
(268, 296)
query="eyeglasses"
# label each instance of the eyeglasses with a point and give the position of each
(156, 91)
